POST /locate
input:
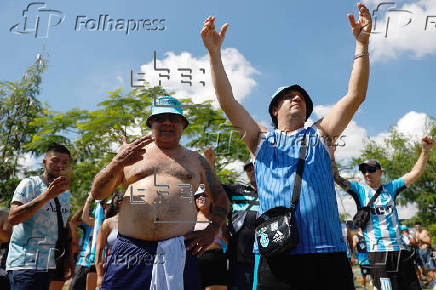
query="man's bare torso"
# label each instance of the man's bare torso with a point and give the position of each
(420, 236)
(158, 203)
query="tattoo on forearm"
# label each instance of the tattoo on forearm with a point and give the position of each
(214, 185)
(342, 182)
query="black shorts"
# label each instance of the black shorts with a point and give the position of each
(364, 270)
(305, 272)
(393, 270)
(212, 266)
(59, 275)
(79, 278)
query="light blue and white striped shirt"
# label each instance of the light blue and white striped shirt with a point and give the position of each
(382, 233)
(317, 214)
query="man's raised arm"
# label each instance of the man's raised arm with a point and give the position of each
(341, 114)
(419, 168)
(238, 116)
(107, 180)
(342, 182)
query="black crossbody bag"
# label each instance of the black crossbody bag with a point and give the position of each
(276, 229)
(361, 218)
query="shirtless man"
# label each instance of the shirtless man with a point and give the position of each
(159, 176)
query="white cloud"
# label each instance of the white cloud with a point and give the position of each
(238, 168)
(407, 212)
(239, 71)
(394, 36)
(371, 3)
(350, 143)
(28, 161)
(412, 125)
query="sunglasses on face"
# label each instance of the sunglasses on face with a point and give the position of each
(202, 198)
(369, 169)
(173, 118)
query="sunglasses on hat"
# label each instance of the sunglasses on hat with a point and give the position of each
(369, 169)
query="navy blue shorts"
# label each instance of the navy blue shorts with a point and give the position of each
(30, 279)
(130, 265)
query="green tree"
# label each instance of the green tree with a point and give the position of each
(18, 107)
(94, 136)
(397, 157)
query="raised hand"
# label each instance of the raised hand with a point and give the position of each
(362, 28)
(131, 153)
(427, 143)
(209, 154)
(212, 40)
(57, 186)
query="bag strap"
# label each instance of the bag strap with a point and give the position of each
(375, 196)
(61, 230)
(254, 202)
(299, 174)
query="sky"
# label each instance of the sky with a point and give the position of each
(268, 44)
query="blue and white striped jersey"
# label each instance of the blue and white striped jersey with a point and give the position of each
(89, 238)
(382, 233)
(85, 246)
(317, 211)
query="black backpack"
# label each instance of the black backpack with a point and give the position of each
(361, 244)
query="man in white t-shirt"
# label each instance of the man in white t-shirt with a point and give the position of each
(33, 213)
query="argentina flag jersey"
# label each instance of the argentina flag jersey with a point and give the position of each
(85, 257)
(317, 214)
(32, 244)
(382, 233)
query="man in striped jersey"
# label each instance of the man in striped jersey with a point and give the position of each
(391, 265)
(320, 260)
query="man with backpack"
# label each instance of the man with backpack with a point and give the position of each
(391, 263)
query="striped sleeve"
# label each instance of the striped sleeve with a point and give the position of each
(398, 186)
(358, 194)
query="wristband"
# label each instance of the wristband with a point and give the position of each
(361, 54)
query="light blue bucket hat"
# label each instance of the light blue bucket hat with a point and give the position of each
(166, 105)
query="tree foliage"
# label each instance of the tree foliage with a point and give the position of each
(19, 106)
(94, 136)
(397, 156)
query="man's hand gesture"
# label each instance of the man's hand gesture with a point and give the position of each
(212, 40)
(131, 153)
(427, 143)
(57, 186)
(362, 28)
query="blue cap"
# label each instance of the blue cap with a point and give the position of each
(166, 105)
(403, 228)
(282, 90)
